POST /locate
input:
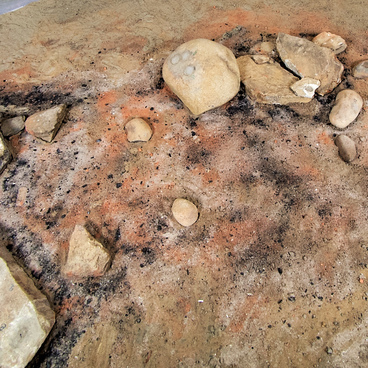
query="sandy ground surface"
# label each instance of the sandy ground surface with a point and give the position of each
(271, 275)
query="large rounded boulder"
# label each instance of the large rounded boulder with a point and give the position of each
(203, 74)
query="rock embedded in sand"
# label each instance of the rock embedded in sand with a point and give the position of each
(5, 153)
(346, 109)
(203, 74)
(45, 124)
(361, 69)
(12, 126)
(346, 146)
(86, 256)
(184, 212)
(334, 42)
(306, 59)
(267, 82)
(305, 87)
(26, 317)
(138, 130)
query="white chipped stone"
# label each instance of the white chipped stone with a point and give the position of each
(45, 124)
(334, 42)
(5, 153)
(346, 109)
(184, 212)
(12, 126)
(86, 257)
(26, 317)
(305, 87)
(203, 74)
(138, 130)
(346, 146)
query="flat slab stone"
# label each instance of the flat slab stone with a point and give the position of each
(5, 153)
(203, 74)
(45, 124)
(307, 59)
(26, 317)
(86, 257)
(268, 82)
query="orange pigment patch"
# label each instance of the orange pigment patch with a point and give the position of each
(249, 310)
(324, 138)
(20, 75)
(217, 22)
(105, 99)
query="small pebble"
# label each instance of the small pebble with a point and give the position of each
(12, 126)
(346, 109)
(329, 350)
(261, 59)
(138, 130)
(361, 70)
(346, 146)
(184, 212)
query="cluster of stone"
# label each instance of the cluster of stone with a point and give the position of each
(43, 125)
(205, 75)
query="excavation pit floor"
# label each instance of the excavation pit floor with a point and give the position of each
(273, 273)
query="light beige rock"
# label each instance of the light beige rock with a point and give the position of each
(306, 59)
(45, 124)
(261, 59)
(138, 130)
(12, 126)
(346, 109)
(5, 153)
(361, 69)
(26, 317)
(268, 83)
(203, 74)
(305, 87)
(334, 42)
(346, 146)
(184, 212)
(86, 256)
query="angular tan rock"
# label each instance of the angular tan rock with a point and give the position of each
(361, 69)
(346, 146)
(203, 74)
(86, 256)
(26, 317)
(306, 59)
(184, 212)
(138, 130)
(346, 109)
(334, 42)
(268, 83)
(45, 124)
(305, 87)
(5, 153)
(12, 126)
